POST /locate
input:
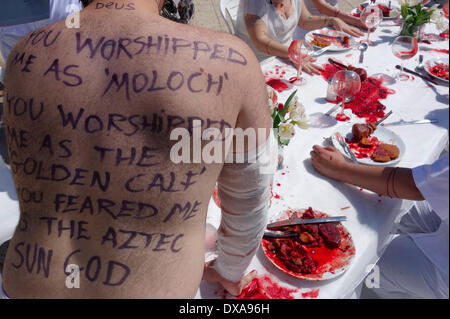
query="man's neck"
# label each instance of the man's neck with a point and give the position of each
(153, 6)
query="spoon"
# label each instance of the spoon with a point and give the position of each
(420, 67)
(362, 47)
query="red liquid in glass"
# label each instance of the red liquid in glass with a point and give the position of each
(405, 55)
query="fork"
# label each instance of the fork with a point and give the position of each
(341, 141)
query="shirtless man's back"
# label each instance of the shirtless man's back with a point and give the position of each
(88, 116)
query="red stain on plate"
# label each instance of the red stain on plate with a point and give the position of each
(264, 288)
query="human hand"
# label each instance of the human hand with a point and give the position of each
(309, 67)
(354, 21)
(233, 288)
(340, 25)
(328, 161)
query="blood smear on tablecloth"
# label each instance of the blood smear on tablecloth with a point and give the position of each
(366, 104)
(264, 288)
(277, 84)
(342, 117)
(406, 77)
(445, 51)
(311, 294)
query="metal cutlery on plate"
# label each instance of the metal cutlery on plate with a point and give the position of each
(275, 232)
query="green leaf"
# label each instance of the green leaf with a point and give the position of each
(404, 11)
(285, 108)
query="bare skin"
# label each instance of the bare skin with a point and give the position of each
(258, 32)
(329, 162)
(138, 219)
(331, 11)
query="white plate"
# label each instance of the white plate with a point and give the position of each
(431, 62)
(333, 47)
(382, 133)
(336, 267)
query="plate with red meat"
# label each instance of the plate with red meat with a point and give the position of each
(370, 144)
(346, 41)
(437, 68)
(320, 251)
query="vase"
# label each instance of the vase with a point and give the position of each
(280, 165)
(416, 31)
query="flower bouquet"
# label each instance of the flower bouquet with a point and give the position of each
(285, 118)
(415, 15)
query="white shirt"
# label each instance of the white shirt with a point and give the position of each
(9, 36)
(433, 183)
(280, 29)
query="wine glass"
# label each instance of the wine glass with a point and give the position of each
(404, 48)
(371, 17)
(298, 51)
(345, 84)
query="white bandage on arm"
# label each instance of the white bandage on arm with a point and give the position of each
(244, 192)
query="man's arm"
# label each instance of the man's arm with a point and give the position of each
(244, 188)
(390, 181)
(331, 11)
(310, 22)
(258, 33)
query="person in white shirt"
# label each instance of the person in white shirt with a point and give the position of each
(415, 265)
(267, 26)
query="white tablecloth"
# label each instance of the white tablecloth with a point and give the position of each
(371, 218)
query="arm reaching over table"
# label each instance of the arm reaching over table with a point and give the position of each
(390, 181)
(331, 11)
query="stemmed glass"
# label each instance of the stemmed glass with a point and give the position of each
(371, 17)
(345, 84)
(404, 48)
(299, 51)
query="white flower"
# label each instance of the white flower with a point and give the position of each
(298, 116)
(442, 24)
(436, 15)
(286, 131)
(293, 103)
(272, 96)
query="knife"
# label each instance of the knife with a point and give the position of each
(427, 121)
(279, 234)
(426, 78)
(298, 221)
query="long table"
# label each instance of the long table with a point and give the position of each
(371, 218)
